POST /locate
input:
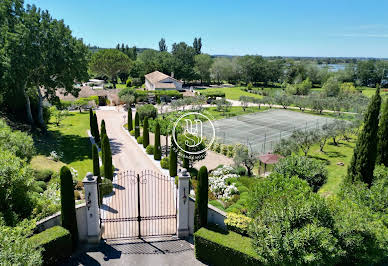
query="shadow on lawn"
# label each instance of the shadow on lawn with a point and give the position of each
(73, 147)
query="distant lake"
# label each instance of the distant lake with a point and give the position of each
(333, 67)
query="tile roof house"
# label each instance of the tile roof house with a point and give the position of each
(159, 81)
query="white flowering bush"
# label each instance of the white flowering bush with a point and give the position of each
(55, 156)
(219, 185)
(74, 173)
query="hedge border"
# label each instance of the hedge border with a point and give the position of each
(216, 246)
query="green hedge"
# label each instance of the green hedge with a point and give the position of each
(218, 247)
(56, 244)
(106, 187)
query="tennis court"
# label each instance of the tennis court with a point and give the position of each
(263, 130)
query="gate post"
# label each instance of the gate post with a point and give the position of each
(92, 208)
(183, 204)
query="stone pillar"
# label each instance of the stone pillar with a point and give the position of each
(92, 209)
(183, 204)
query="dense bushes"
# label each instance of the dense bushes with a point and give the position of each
(140, 139)
(56, 244)
(147, 110)
(43, 175)
(68, 215)
(217, 247)
(150, 149)
(313, 171)
(238, 223)
(165, 163)
(291, 224)
(213, 94)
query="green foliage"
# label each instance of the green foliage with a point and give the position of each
(96, 161)
(96, 135)
(55, 242)
(173, 167)
(165, 163)
(158, 148)
(91, 122)
(14, 247)
(106, 187)
(186, 162)
(146, 135)
(107, 159)
(147, 110)
(43, 175)
(150, 149)
(313, 171)
(365, 153)
(201, 199)
(291, 224)
(382, 147)
(103, 129)
(238, 223)
(217, 247)
(16, 181)
(140, 140)
(132, 132)
(213, 94)
(19, 143)
(137, 125)
(331, 87)
(130, 122)
(68, 215)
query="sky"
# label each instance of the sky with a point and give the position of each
(340, 28)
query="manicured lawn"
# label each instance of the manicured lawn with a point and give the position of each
(331, 156)
(69, 138)
(233, 93)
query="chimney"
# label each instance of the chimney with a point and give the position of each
(172, 74)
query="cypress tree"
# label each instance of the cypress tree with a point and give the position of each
(103, 130)
(173, 158)
(364, 157)
(91, 121)
(157, 147)
(96, 168)
(107, 160)
(146, 136)
(68, 215)
(137, 126)
(130, 123)
(382, 147)
(201, 199)
(186, 162)
(97, 138)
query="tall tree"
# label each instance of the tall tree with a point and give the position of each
(97, 137)
(103, 129)
(91, 122)
(96, 161)
(197, 45)
(364, 157)
(146, 135)
(137, 125)
(107, 158)
(157, 147)
(110, 62)
(130, 122)
(173, 157)
(203, 62)
(382, 147)
(68, 215)
(162, 45)
(201, 199)
(183, 61)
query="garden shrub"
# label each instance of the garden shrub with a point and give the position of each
(224, 149)
(165, 163)
(140, 139)
(132, 132)
(230, 153)
(130, 122)
(158, 149)
(240, 170)
(107, 158)
(150, 149)
(43, 175)
(56, 244)
(41, 184)
(147, 110)
(106, 187)
(77, 195)
(238, 223)
(201, 199)
(215, 246)
(311, 170)
(291, 224)
(137, 126)
(68, 214)
(217, 147)
(173, 159)
(193, 172)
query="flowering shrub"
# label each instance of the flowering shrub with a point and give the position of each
(238, 223)
(55, 156)
(219, 185)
